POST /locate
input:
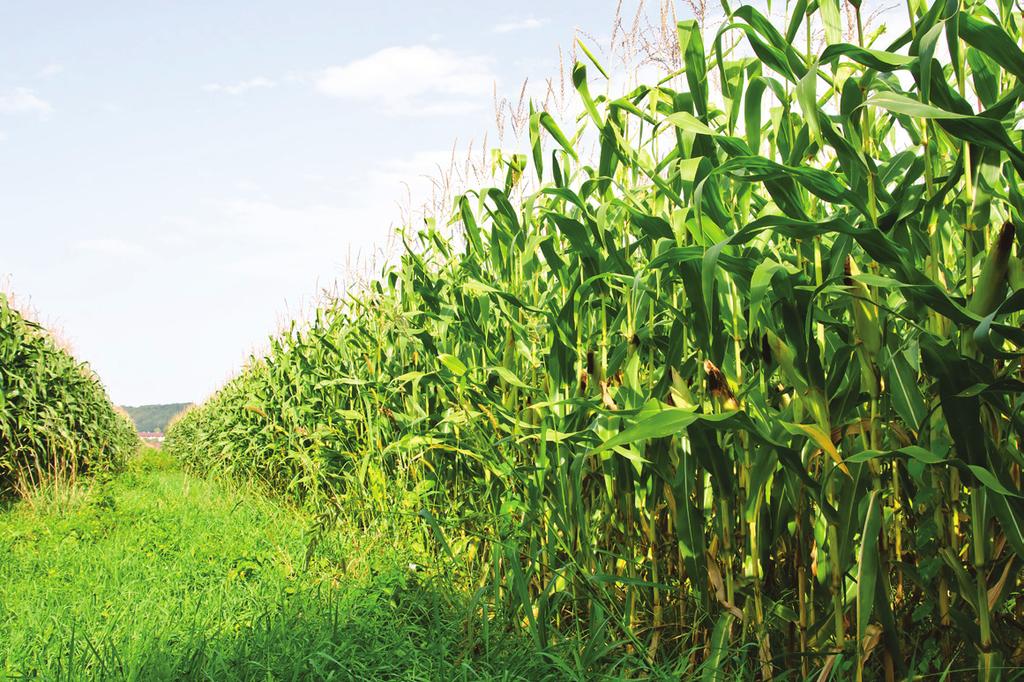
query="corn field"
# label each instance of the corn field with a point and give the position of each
(743, 393)
(55, 416)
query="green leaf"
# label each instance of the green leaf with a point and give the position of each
(692, 46)
(1011, 519)
(820, 438)
(906, 394)
(690, 123)
(669, 422)
(989, 480)
(915, 452)
(752, 112)
(868, 565)
(435, 528)
(832, 18)
(993, 41)
(454, 365)
(508, 377)
(806, 94)
(873, 59)
(713, 669)
(979, 130)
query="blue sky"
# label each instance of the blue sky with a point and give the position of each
(178, 177)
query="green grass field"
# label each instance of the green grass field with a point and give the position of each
(156, 574)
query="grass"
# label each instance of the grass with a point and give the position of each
(156, 574)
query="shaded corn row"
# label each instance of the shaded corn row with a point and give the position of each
(753, 376)
(55, 416)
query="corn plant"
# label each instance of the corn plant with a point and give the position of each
(55, 416)
(750, 376)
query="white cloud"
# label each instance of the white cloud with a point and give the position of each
(277, 224)
(462, 106)
(282, 246)
(111, 247)
(421, 164)
(23, 101)
(50, 70)
(520, 25)
(3, 137)
(240, 87)
(413, 80)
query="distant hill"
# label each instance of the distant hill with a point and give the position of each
(153, 417)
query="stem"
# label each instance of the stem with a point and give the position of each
(802, 583)
(984, 617)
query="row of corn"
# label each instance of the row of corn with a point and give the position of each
(55, 417)
(740, 395)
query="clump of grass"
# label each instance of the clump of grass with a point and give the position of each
(148, 458)
(54, 495)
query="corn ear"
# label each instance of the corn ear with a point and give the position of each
(991, 285)
(866, 323)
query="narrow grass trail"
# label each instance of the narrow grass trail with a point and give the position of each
(158, 575)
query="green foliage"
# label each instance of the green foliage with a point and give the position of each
(748, 384)
(152, 459)
(154, 418)
(55, 416)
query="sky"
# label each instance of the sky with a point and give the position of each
(177, 178)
